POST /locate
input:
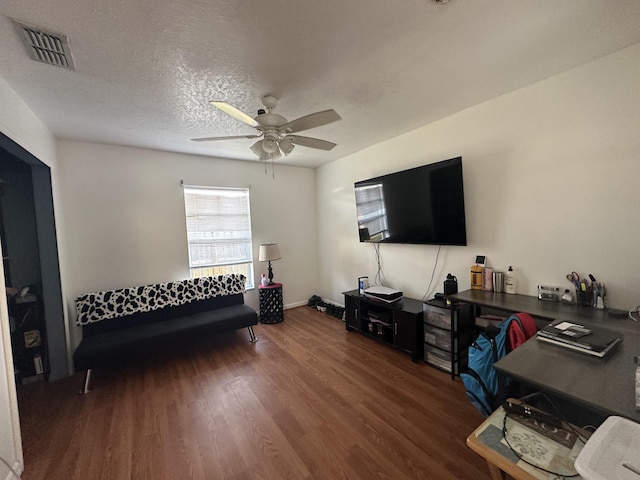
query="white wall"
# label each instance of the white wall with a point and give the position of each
(551, 178)
(126, 225)
(19, 123)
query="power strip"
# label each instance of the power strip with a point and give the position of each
(513, 405)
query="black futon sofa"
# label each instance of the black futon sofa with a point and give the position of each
(118, 325)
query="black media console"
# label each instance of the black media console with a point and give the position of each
(398, 324)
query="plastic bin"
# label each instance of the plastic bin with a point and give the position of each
(437, 337)
(440, 317)
(611, 452)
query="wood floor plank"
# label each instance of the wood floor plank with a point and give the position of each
(308, 401)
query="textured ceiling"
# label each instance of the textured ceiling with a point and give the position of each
(146, 69)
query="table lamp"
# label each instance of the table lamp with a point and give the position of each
(268, 253)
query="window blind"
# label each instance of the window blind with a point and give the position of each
(219, 231)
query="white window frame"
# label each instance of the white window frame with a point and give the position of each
(213, 251)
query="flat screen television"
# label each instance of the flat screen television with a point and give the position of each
(422, 205)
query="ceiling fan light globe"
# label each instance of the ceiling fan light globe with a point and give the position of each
(257, 148)
(286, 146)
(276, 155)
(270, 145)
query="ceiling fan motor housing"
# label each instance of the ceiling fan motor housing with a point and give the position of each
(270, 119)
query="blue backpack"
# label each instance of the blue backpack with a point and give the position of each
(485, 387)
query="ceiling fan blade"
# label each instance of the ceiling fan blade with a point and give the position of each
(311, 142)
(235, 113)
(212, 139)
(311, 121)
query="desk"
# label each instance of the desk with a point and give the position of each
(487, 441)
(606, 386)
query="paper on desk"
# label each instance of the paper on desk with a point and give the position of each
(566, 325)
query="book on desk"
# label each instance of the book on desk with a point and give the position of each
(597, 342)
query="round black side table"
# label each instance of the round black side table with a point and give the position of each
(271, 306)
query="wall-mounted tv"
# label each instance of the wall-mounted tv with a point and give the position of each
(422, 205)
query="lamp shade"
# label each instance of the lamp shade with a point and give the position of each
(269, 252)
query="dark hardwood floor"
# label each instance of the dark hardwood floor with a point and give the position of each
(307, 401)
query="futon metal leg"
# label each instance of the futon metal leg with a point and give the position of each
(87, 381)
(252, 336)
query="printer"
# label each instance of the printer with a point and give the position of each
(385, 294)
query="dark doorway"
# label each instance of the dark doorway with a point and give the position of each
(30, 258)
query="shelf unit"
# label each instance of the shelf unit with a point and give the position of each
(448, 332)
(398, 324)
(29, 340)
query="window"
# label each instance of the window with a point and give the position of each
(219, 231)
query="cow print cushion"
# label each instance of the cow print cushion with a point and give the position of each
(97, 306)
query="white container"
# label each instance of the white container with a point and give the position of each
(611, 452)
(510, 281)
(363, 284)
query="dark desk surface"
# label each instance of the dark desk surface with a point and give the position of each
(604, 385)
(526, 303)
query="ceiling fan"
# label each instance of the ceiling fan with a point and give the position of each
(276, 132)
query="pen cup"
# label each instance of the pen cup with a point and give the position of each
(584, 298)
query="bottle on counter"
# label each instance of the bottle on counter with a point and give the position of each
(510, 281)
(476, 277)
(567, 297)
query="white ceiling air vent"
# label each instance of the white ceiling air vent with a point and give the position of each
(44, 46)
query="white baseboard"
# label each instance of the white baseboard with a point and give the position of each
(294, 305)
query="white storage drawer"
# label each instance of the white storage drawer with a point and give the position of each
(440, 317)
(437, 337)
(442, 359)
